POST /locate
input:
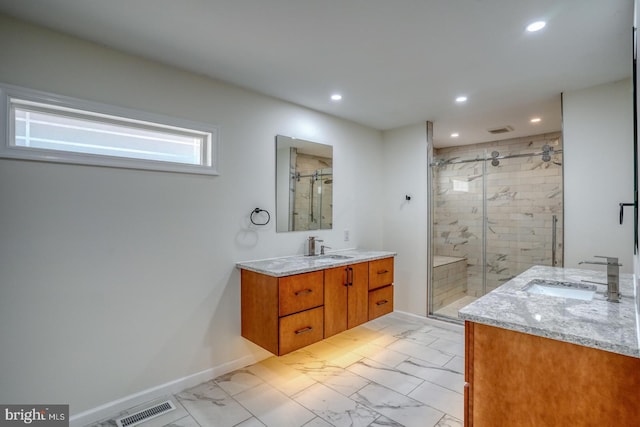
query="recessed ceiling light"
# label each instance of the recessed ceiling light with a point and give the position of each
(536, 26)
(455, 135)
(536, 120)
(461, 99)
(336, 97)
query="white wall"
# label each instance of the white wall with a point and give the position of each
(113, 281)
(598, 173)
(405, 222)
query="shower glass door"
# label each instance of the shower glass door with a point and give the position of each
(457, 235)
(497, 210)
(524, 216)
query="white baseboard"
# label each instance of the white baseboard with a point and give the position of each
(172, 387)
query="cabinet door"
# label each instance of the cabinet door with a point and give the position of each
(300, 292)
(357, 299)
(300, 329)
(380, 273)
(380, 302)
(335, 300)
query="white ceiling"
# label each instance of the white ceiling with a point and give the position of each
(396, 62)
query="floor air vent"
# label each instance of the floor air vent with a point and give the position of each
(146, 414)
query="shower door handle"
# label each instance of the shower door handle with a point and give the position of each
(622, 205)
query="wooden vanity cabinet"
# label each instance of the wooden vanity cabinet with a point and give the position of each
(346, 291)
(518, 379)
(283, 314)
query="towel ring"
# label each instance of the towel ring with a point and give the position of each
(257, 211)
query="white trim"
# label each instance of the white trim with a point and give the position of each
(113, 408)
(28, 96)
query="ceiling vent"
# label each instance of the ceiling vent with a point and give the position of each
(147, 414)
(503, 129)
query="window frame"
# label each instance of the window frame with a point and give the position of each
(110, 113)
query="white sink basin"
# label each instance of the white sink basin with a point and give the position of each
(561, 289)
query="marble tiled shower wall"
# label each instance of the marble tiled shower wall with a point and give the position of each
(522, 195)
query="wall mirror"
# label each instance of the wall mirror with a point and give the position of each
(304, 185)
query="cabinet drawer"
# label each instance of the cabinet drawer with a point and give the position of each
(300, 292)
(301, 329)
(380, 302)
(380, 273)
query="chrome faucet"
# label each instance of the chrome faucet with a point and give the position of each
(613, 276)
(311, 245)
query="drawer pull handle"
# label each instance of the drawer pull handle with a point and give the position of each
(303, 330)
(383, 271)
(382, 302)
(303, 292)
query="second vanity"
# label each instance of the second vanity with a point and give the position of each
(544, 360)
(291, 302)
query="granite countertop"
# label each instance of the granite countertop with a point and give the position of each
(597, 323)
(286, 266)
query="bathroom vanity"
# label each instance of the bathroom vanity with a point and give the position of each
(288, 303)
(544, 360)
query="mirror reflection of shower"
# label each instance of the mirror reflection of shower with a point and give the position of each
(312, 198)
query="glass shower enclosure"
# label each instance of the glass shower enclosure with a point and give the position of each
(497, 210)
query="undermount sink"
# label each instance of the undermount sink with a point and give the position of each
(561, 289)
(332, 257)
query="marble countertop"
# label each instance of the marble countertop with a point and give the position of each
(597, 323)
(286, 266)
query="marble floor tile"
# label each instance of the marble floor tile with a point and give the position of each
(449, 346)
(422, 352)
(209, 405)
(317, 422)
(440, 375)
(395, 371)
(383, 355)
(383, 421)
(333, 407)
(344, 382)
(440, 398)
(456, 364)
(238, 381)
(389, 377)
(281, 376)
(274, 408)
(424, 336)
(403, 410)
(187, 421)
(251, 422)
(449, 421)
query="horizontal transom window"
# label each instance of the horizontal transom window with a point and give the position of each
(74, 131)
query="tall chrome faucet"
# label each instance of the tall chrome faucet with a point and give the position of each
(613, 276)
(311, 245)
